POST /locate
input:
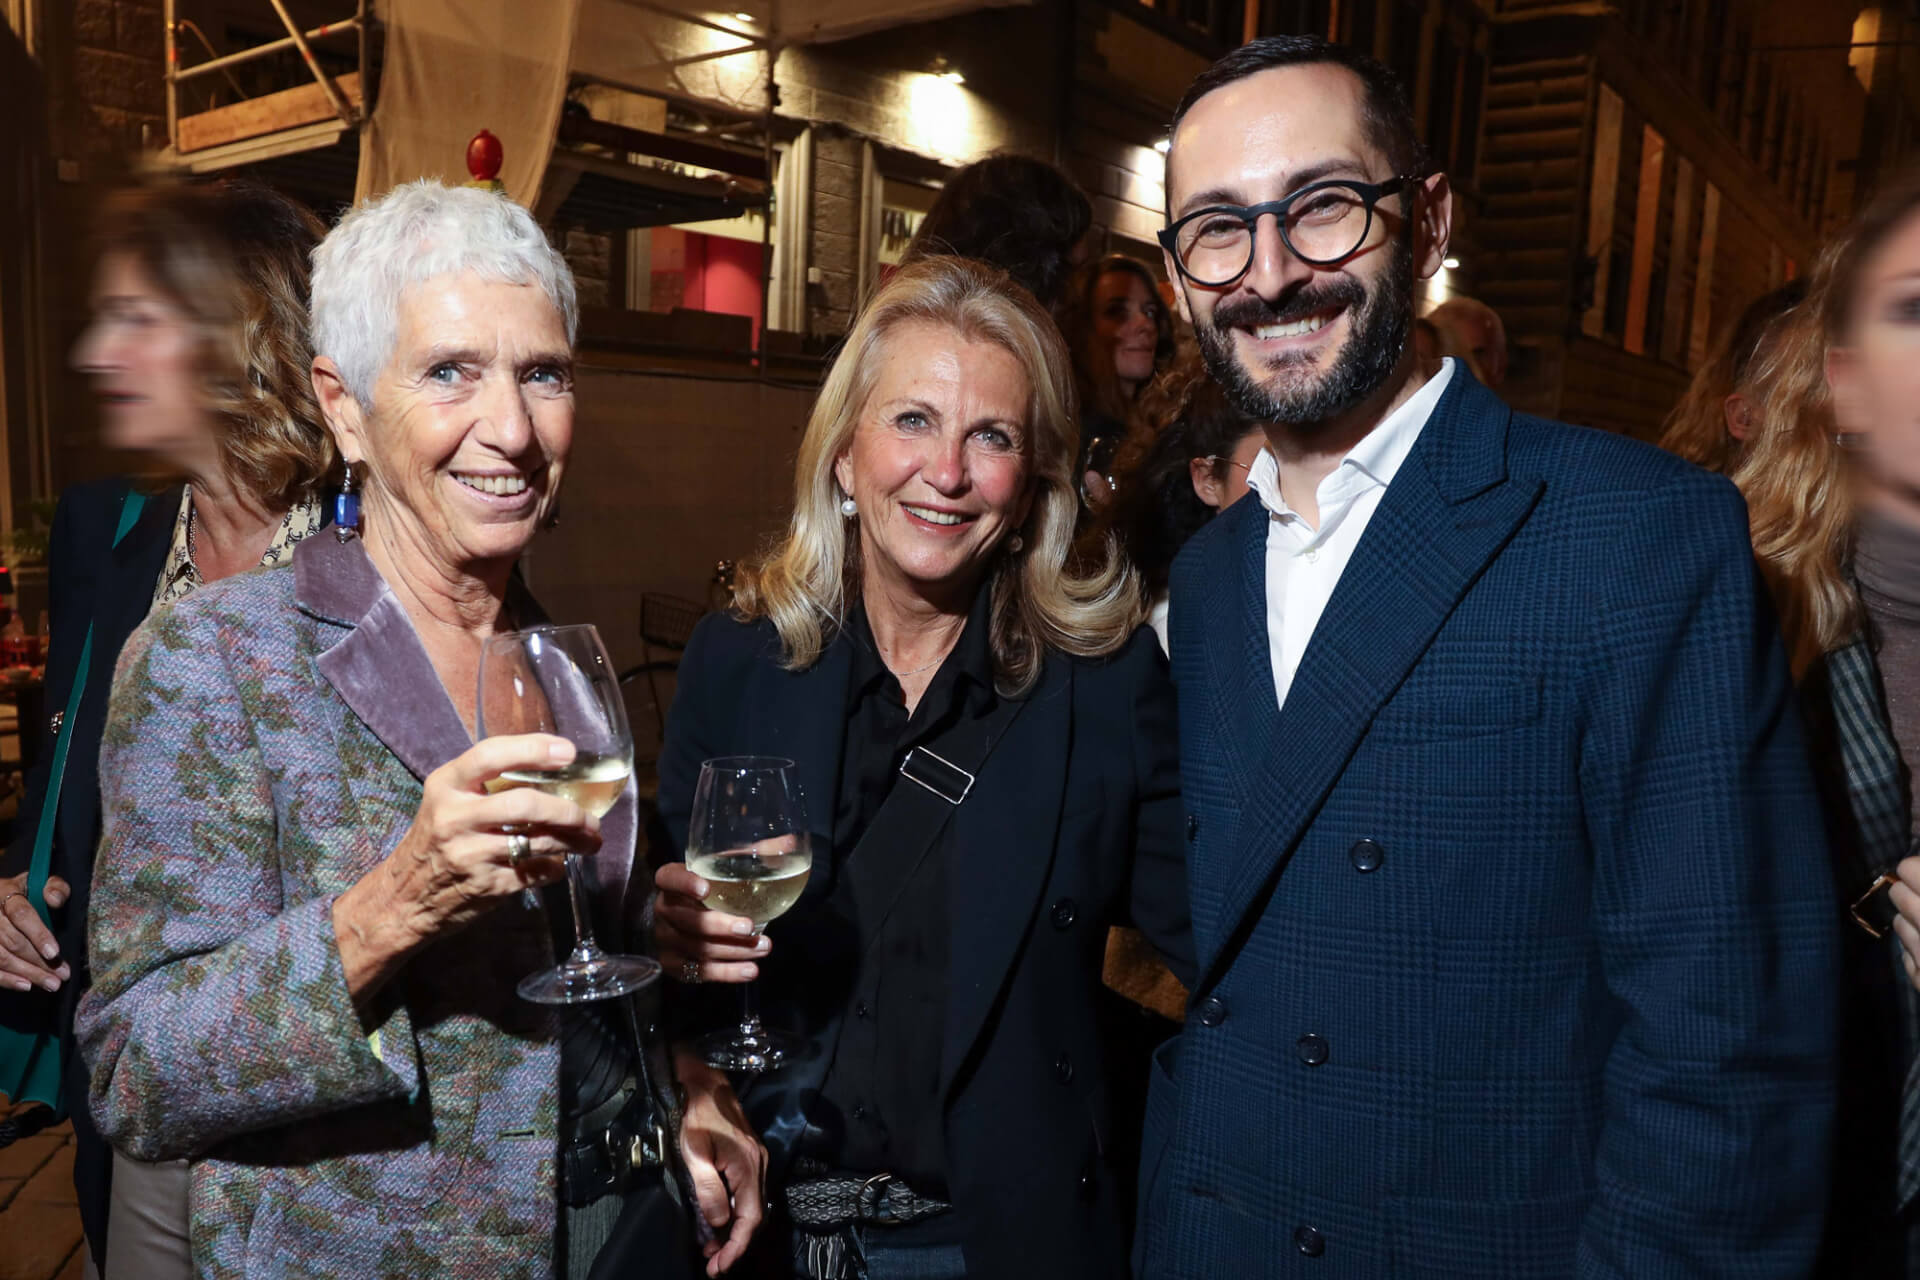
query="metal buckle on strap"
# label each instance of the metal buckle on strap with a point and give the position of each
(941, 776)
(1873, 911)
(873, 1196)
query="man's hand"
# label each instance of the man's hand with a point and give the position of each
(29, 957)
(726, 1161)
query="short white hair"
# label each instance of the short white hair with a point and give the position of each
(414, 233)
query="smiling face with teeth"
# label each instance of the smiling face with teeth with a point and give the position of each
(1291, 342)
(461, 453)
(939, 465)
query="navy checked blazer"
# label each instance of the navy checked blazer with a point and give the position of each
(1515, 929)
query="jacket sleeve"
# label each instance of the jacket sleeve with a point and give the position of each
(68, 623)
(217, 1007)
(1713, 908)
(1159, 900)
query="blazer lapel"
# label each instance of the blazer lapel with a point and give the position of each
(136, 565)
(379, 667)
(1002, 851)
(1447, 514)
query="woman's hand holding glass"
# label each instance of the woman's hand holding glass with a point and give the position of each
(724, 948)
(454, 865)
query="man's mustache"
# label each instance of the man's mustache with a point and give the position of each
(1252, 312)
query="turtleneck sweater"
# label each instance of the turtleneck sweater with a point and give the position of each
(1887, 567)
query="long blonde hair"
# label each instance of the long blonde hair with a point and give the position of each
(1697, 427)
(1044, 597)
(1793, 474)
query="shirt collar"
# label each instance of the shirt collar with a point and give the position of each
(1376, 458)
(180, 576)
(971, 658)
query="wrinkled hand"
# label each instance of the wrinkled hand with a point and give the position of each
(455, 862)
(727, 1163)
(29, 957)
(1906, 901)
(723, 946)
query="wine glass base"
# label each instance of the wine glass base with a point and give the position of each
(753, 1052)
(606, 978)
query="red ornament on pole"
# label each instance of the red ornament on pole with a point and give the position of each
(484, 157)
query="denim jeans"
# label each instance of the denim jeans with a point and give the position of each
(887, 1261)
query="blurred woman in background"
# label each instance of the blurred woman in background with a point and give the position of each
(1120, 334)
(198, 353)
(1711, 423)
(1836, 530)
(1019, 214)
(1186, 462)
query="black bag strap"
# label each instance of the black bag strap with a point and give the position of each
(935, 779)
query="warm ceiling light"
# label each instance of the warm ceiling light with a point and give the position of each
(941, 69)
(1450, 263)
(1163, 145)
(743, 17)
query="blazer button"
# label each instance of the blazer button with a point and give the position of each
(860, 1009)
(1212, 1011)
(1065, 912)
(1193, 828)
(1366, 855)
(1309, 1241)
(1063, 1069)
(1312, 1049)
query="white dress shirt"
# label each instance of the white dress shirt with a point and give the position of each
(1304, 564)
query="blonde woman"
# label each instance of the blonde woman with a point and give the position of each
(1830, 471)
(924, 599)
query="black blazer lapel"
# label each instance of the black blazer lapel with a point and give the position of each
(1449, 511)
(1004, 839)
(135, 572)
(802, 715)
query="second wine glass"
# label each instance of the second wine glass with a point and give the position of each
(747, 838)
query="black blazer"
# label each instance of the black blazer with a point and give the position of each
(1074, 824)
(89, 580)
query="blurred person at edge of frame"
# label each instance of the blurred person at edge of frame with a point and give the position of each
(1710, 425)
(1120, 334)
(926, 596)
(1013, 212)
(197, 351)
(305, 962)
(1830, 470)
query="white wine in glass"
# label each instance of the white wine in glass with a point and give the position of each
(747, 838)
(558, 680)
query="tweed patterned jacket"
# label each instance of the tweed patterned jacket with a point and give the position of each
(266, 746)
(1516, 936)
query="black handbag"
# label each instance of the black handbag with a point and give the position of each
(660, 1232)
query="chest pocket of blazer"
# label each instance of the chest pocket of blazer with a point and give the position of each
(1463, 702)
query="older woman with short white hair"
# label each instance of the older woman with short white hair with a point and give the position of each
(309, 916)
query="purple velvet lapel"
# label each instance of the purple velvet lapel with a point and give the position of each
(380, 670)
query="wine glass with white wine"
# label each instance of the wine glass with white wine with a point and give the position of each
(747, 838)
(558, 680)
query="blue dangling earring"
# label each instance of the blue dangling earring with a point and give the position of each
(346, 508)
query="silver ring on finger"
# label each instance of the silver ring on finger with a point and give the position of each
(690, 971)
(9, 898)
(519, 848)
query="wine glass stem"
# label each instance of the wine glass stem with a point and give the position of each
(585, 949)
(750, 1006)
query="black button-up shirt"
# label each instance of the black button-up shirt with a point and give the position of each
(879, 1106)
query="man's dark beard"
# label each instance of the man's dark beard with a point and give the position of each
(1382, 324)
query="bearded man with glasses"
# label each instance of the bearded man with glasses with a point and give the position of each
(1515, 932)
